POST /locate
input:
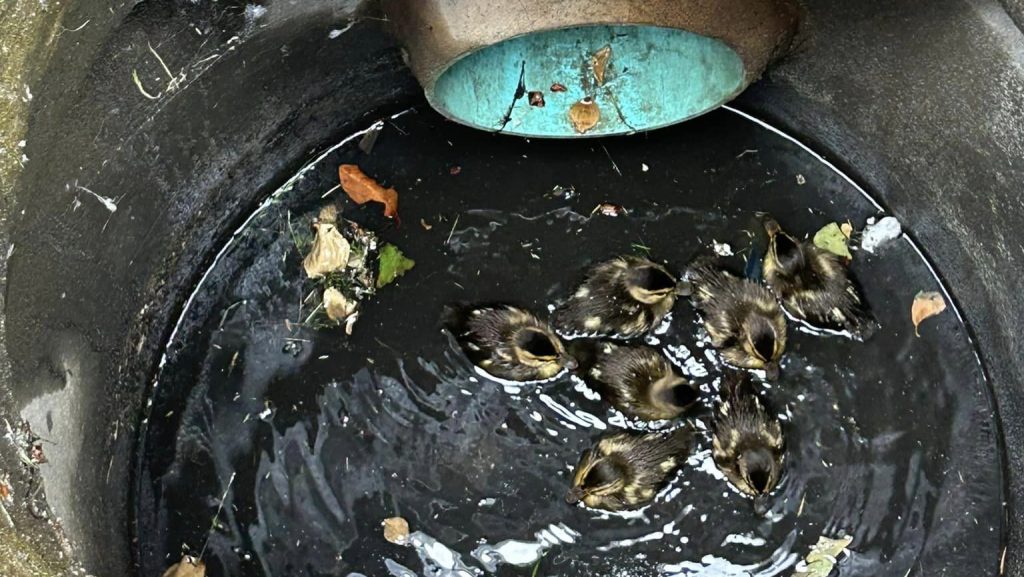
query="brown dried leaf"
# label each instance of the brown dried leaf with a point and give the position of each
(362, 189)
(536, 98)
(426, 225)
(847, 229)
(558, 87)
(330, 250)
(926, 304)
(396, 530)
(337, 306)
(187, 567)
(584, 115)
(599, 62)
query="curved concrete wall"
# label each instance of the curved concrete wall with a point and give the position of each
(921, 101)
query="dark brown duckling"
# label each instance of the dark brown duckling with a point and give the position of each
(623, 298)
(626, 470)
(743, 319)
(640, 382)
(509, 343)
(747, 441)
(814, 284)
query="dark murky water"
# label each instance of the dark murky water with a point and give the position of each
(322, 436)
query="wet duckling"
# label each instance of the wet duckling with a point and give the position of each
(509, 343)
(814, 284)
(624, 297)
(747, 442)
(626, 470)
(640, 382)
(742, 317)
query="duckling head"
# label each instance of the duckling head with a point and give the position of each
(651, 284)
(762, 345)
(543, 351)
(597, 477)
(759, 474)
(785, 255)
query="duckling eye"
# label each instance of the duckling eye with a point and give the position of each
(788, 253)
(653, 279)
(758, 480)
(601, 474)
(763, 344)
(537, 344)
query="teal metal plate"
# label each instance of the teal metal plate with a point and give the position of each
(654, 77)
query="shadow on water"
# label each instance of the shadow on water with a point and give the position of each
(325, 435)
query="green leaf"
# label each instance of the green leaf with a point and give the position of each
(823, 556)
(393, 264)
(832, 239)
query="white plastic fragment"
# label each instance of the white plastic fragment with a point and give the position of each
(878, 234)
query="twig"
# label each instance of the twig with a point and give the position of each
(213, 522)
(316, 310)
(609, 155)
(450, 234)
(138, 84)
(335, 187)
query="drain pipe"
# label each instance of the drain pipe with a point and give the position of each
(572, 68)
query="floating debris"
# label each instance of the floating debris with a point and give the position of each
(832, 239)
(455, 170)
(584, 115)
(426, 225)
(609, 209)
(362, 189)
(187, 567)
(536, 98)
(337, 306)
(800, 180)
(823, 557)
(878, 234)
(599, 63)
(393, 264)
(926, 305)
(396, 530)
(331, 251)
(721, 248)
(557, 87)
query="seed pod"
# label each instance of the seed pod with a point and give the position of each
(330, 250)
(337, 306)
(584, 115)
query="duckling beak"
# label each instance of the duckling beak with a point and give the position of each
(771, 226)
(570, 363)
(761, 505)
(771, 371)
(575, 495)
(684, 288)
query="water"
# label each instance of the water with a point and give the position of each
(892, 441)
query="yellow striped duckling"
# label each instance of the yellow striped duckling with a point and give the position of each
(814, 284)
(624, 298)
(742, 317)
(747, 441)
(640, 382)
(509, 343)
(626, 470)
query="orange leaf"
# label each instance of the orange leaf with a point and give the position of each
(362, 189)
(188, 567)
(926, 304)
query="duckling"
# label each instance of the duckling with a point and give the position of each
(626, 470)
(624, 297)
(742, 317)
(747, 441)
(641, 382)
(509, 343)
(814, 284)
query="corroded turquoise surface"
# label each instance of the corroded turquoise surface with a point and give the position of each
(654, 77)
